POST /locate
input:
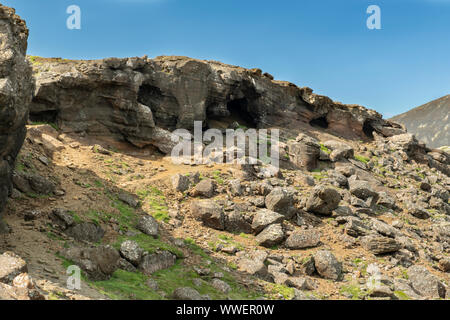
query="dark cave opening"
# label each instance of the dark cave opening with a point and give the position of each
(236, 113)
(49, 116)
(320, 122)
(368, 129)
(239, 112)
(161, 106)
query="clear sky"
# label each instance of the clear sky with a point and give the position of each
(322, 44)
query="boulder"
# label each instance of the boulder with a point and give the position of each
(99, 263)
(304, 152)
(282, 201)
(151, 263)
(379, 244)
(11, 265)
(301, 239)
(131, 251)
(270, 236)
(180, 182)
(327, 266)
(424, 282)
(264, 218)
(323, 200)
(209, 212)
(86, 231)
(187, 294)
(205, 188)
(148, 225)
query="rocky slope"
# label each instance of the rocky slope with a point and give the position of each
(430, 122)
(141, 227)
(16, 90)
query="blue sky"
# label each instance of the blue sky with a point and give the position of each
(323, 44)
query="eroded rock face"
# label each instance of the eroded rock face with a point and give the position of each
(16, 90)
(142, 100)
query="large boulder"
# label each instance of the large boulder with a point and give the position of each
(282, 201)
(264, 218)
(270, 236)
(99, 263)
(304, 152)
(323, 200)
(327, 266)
(209, 212)
(301, 239)
(16, 91)
(379, 244)
(424, 282)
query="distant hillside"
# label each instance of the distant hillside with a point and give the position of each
(430, 122)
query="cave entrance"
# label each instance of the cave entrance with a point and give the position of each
(236, 113)
(163, 107)
(49, 116)
(320, 122)
(368, 129)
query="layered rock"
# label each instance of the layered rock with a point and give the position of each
(16, 90)
(141, 100)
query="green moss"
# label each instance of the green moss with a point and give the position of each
(156, 201)
(362, 159)
(325, 149)
(278, 289)
(352, 290)
(149, 244)
(401, 295)
(124, 285)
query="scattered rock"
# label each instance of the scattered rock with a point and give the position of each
(281, 201)
(301, 239)
(205, 188)
(327, 265)
(424, 282)
(323, 200)
(379, 244)
(86, 231)
(221, 285)
(209, 212)
(148, 225)
(157, 261)
(270, 236)
(131, 251)
(180, 182)
(264, 218)
(187, 294)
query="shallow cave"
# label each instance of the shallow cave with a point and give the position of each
(162, 106)
(237, 112)
(368, 129)
(320, 122)
(49, 116)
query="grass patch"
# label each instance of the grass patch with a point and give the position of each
(362, 159)
(325, 149)
(353, 291)
(149, 244)
(154, 201)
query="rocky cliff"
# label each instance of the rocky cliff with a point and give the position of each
(16, 89)
(429, 122)
(141, 100)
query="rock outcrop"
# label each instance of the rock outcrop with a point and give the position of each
(16, 90)
(141, 100)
